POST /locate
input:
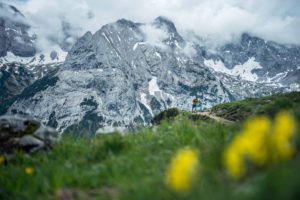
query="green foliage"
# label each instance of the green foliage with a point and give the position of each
(241, 110)
(31, 128)
(197, 117)
(165, 115)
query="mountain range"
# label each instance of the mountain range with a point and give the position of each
(126, 72)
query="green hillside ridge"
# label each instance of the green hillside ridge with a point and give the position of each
(269, 105)
(133, 166)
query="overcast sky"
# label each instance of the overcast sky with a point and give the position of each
(219, 20)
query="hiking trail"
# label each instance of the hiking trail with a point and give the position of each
(219, 119)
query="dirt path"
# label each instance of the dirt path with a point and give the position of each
(219, 119)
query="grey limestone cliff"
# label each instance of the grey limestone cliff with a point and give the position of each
(115, 77)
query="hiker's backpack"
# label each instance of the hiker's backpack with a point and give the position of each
(195, 101)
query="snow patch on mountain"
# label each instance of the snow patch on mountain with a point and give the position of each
(277, 78)
(153, 87)
(158, 54)
(244, 71)
(137, 44)
(40, 58)
(145, 103)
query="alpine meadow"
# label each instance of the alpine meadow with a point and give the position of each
(158, 100)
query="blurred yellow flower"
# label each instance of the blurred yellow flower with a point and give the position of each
(233, 160)
(2, 159)
(250, 142)
(254, 137)
(260, 143)
(29, 170)
(283, 131)
(182, 169)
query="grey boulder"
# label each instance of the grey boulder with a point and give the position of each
(25, 133)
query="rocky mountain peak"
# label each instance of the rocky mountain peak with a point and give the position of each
(17, 12)
(10, 11)
(165, 23)
(126, 23)
(14, 35)
(87, 36)
(174, 38)
(121, 77)
(116, 78)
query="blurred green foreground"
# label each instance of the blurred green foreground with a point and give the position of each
(181, 158)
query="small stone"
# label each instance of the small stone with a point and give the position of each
(47, 134)
(25, 132)
(31, 144)
(17, 125)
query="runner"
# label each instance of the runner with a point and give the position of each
(195, 103)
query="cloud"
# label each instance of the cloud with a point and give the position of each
(7, 11)
(189, 50)
(154, 36)
(218, 21)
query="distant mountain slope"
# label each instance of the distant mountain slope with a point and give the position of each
(126, 72)
(258, 60)
(117, 77)
(21, 62)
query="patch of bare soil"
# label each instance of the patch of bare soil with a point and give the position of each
(219, 119)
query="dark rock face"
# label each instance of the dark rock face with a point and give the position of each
(54, 55)
(13, 80)
(3, 38)
(26, 133)
(14, 35)
(20, 81)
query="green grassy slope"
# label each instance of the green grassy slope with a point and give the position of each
(133, 166)
(270, 105)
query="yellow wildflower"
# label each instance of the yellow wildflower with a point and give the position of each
(254, 139)
(234, 161)
(250, 142)
(29, 170)
(283, 131)
(182, 169)
(260, 143)
(2, 159)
